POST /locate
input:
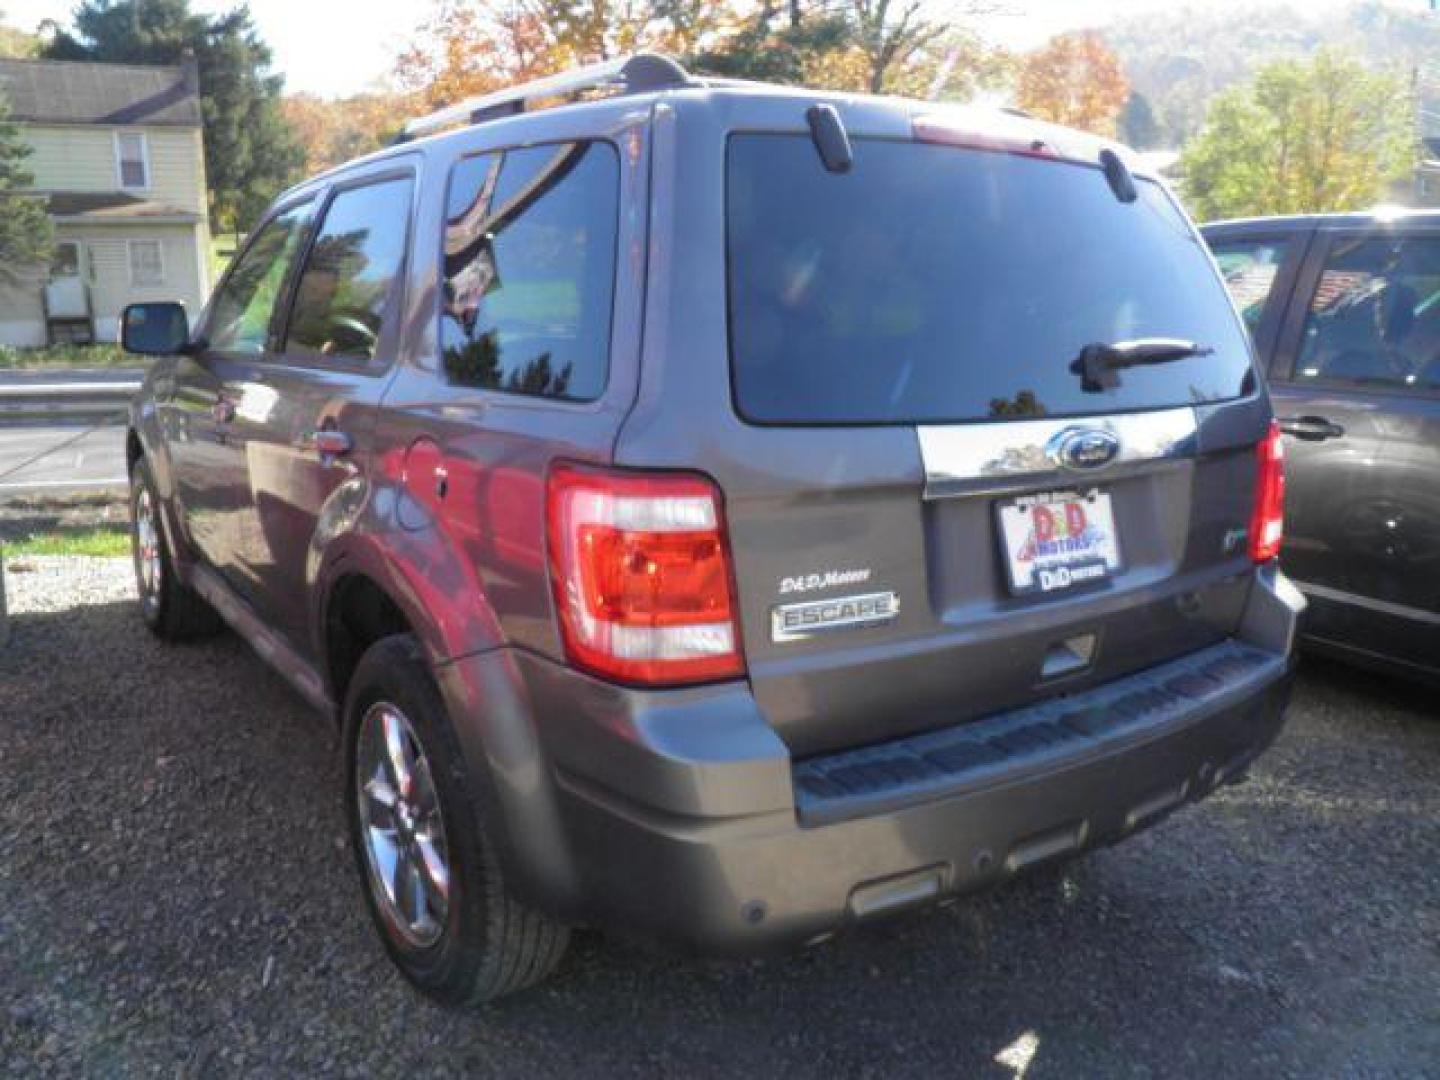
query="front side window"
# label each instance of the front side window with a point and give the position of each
(245, 303)
(132, 159)
(936, 284)
(1249, 268)
(530, 269)
(147, 266)
(1375, 317)
(348, 284)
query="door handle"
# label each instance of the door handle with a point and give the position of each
(329, 443)
(1310, 428)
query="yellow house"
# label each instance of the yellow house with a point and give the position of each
(118, 149)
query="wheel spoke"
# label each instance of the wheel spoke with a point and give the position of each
(402, 886)
(419, 910)
(436, 874)
(379, 792)
(396, 755)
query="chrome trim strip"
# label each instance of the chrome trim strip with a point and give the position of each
(967, 459)
(1369, 603)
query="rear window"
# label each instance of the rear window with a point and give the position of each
(932, 284)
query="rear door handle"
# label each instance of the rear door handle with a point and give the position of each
(330, 443)
(1310, 428)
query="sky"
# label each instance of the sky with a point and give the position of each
(339, 47)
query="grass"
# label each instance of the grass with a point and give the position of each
(65, 356)
(100, 542)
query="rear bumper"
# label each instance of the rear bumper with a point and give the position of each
(680, 816)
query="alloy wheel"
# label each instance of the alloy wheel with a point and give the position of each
(149, 569)
(401, 826)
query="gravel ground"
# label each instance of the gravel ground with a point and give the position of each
(176, 899)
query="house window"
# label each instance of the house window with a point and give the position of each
(133, 159)
(147, 264)
(65, 263)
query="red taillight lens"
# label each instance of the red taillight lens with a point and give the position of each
(1267, 522)
(641, 575)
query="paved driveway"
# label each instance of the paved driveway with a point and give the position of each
(176, 897)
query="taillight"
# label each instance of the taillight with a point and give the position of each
(1267, 522)
(640, 569)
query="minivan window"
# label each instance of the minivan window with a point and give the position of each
(933, 284)
(1249, 268)
(349, 278)
(1375, 316)
(244, 303)
(530, 269)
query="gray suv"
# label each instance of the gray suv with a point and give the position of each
(723, 513)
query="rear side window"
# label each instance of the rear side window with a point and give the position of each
(1375, 316)
(933, 284)
(1249, 268)
(351, 273)
(530, 270)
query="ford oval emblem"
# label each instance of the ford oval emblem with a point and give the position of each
(1083, 448)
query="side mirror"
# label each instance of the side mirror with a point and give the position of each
(159, 329)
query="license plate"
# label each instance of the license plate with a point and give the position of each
(1057, 541)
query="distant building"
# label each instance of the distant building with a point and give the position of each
(118, 149)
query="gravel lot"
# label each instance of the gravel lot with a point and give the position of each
(176, 899)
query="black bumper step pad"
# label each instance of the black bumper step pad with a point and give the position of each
(934, 760)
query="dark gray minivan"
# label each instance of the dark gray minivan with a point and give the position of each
(724, 513)
(1345, 309)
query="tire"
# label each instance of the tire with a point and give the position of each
(172, 610)
(472, 941)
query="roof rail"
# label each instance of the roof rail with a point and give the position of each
(630, 75)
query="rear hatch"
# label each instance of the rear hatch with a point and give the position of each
(933, 514)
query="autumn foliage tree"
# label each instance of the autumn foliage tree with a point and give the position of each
(473, 46)
(1302, 137)
(916, 47)
(1076, 80)
(331, 131)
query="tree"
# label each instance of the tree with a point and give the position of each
(1075, 80)
(250, 153)
(334, 131)
(1303, 137)
(26, 235)
(1138, 126)
(873, 46)
(18, 44)
(469, 47)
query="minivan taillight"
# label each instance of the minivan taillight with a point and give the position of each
(640, 570)
(1267, 522)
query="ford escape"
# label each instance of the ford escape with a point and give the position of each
(723, 513)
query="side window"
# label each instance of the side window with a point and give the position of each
(245, 303)
(349, 279)
(530, 270)
(1249, 268)
(1375, 316)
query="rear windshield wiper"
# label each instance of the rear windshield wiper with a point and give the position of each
(1099, 361)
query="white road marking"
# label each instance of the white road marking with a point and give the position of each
(121, 482)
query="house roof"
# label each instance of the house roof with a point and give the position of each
(113, 206)
(79, 92)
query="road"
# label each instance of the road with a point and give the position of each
(82, 461)
(177, 899)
